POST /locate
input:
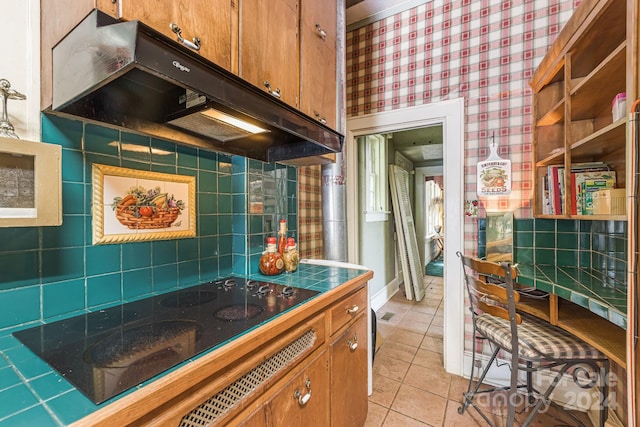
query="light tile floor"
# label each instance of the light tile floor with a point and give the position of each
(410, 385)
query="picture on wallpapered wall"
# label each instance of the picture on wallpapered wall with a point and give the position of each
(494, 174)
(134, 205)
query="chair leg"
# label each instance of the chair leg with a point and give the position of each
(604, 403)
(513, 392)
(530, 383)
(470, 394)
(545, 397)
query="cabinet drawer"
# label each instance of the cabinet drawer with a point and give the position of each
(348, 309)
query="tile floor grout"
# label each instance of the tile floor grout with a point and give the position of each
(410, 386)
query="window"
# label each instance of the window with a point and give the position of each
(434, 212)
(376, 181)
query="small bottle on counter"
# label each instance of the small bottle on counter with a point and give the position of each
(291, 256)
(271, 262)
(282, 237)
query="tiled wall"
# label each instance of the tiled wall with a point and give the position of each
(55, 271)
(601, 245)
(484, 51)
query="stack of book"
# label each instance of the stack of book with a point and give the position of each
(585, 178)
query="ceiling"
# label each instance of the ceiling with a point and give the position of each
(361, 12)
(422, 146)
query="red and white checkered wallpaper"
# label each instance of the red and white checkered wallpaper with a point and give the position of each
(482, 50)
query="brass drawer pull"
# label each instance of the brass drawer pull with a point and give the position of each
(303, 399)
(195, 44)
(353, 344)
(319, 118)
(275, 93)
(321, 32)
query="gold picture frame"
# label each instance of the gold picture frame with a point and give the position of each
(131, 205)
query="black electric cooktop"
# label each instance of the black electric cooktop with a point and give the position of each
(106, 352)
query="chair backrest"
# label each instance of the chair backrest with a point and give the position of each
(498, 299)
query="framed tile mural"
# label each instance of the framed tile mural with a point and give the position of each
(131, 205)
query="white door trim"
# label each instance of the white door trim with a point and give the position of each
(451, 114)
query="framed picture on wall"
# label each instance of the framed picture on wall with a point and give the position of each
(130, 205)
(30, 183)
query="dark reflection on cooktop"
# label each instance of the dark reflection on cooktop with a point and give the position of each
(187, 298)
(109, 351)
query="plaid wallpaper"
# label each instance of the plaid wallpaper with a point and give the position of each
(310, 212)
(482, 50)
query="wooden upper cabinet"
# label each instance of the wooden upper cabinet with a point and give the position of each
(269, 47)
(318, 60)
(210, 21)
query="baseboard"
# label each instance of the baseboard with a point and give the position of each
(383, 295)
(567, 394)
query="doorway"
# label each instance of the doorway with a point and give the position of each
(450, 115)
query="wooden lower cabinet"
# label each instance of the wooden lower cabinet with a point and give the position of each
(303, 401)
(257, 419)
(349, 375)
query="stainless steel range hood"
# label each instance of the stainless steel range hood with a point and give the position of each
(129, 75)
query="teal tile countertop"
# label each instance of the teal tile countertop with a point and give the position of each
(33, 394)
(585, 287)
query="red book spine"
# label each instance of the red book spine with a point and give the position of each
(574, 195)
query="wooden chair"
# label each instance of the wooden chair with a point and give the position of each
(533, 344)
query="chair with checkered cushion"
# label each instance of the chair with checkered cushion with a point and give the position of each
(533, 344)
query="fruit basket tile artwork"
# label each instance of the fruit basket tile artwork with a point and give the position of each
(135, 205)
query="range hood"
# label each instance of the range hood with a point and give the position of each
(129, 75)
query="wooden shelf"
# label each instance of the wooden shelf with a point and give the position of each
(553, 159)
(600, 333)
(594, 93)
(535, 307)
(585, 68)
(609, 139)
(589, 327)
(553, 116)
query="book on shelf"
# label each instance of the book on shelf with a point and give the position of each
(579, 176)
(589, 186)
(546, 207)
(555, 206)
(561, 191)
(583, 179)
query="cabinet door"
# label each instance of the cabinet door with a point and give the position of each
(349, 376)
(256, 419)
(269, 47)
(208, 20)
(304, 401)
(318, 60)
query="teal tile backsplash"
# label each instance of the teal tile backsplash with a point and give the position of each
(585, 244)
(52, 272)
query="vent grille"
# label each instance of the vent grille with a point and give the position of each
(226, 399)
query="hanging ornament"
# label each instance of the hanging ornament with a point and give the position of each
(494, 174)
(6, 128)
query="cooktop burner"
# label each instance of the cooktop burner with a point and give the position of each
(107, 352)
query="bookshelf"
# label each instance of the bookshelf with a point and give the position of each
(573, 87)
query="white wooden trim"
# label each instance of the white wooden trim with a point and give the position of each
(451, 114)
(381, 297)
